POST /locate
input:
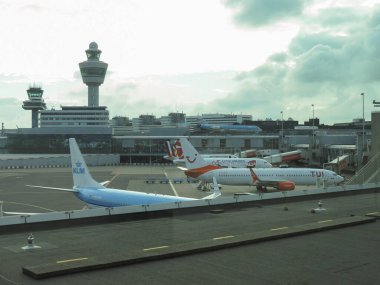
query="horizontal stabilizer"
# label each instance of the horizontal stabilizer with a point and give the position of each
(53, 188)
(182, 168)
(105, 183)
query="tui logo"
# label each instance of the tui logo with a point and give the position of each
(191, 161)
(78, 169)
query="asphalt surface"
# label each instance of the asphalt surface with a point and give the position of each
(347, 255)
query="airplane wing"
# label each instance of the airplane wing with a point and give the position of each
(280, 184)
(19, 213)
(53, 188)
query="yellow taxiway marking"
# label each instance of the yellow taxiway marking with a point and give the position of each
(155, 248)
(325, 221)
(279, 229)
(216, 238)
(72, 260)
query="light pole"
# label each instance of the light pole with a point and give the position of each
(282, 129)
(312, 131)
(362, 94)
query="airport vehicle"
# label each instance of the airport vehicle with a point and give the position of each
(278, 178)
(95, 194)
(220, 160)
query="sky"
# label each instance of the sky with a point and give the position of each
(251, 57)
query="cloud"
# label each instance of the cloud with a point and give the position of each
(260, 13)
(12, 114)
(327, 64)
(160, 95)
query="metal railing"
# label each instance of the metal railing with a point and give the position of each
(366, 172)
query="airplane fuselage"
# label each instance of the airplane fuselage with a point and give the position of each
(233, 162)
(245, 176)
(230, 128)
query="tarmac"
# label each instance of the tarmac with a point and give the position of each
(283, 243)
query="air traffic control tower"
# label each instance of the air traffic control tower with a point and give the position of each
(35, 103)
(93, 72)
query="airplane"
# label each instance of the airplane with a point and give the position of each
(222, 161)
(230, 128)
(284, 157)
(278, 178)
(95, 194)
(175, 154)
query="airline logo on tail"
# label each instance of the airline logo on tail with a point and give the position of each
(191, 161)
(78, 169)
(177, 150)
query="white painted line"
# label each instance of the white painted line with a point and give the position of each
(171, 184)
(325, 221)
(72, 260)
(217, 238)
(155, 248)
(279, 229)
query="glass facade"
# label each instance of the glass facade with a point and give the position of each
(57, 143)
(80, 116)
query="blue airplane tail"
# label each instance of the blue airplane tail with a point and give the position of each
(81, 175)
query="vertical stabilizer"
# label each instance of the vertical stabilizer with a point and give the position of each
(177, 150)
(215, 190)
(193, 159)
(169, 150)
(81, 175)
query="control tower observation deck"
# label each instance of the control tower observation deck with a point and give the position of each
(93, 72)
(35, 103)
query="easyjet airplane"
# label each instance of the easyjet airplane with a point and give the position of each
(222, 160)
(279, 178)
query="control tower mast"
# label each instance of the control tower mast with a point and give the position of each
(93, 72)
(35, 103)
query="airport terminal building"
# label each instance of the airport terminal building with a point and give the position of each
(142, 139)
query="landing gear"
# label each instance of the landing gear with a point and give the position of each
(203, 186)
(261, 188)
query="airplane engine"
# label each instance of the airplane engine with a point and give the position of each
(286, 185)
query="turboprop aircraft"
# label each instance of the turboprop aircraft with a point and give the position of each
(95, 194)
(279, 178)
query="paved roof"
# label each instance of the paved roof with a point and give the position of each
(346, 255)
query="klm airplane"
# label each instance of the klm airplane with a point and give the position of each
(230, 128)
(95, 194)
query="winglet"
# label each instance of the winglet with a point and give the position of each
(81, 175)
(215, 190)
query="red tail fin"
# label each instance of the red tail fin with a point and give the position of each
(177, 150)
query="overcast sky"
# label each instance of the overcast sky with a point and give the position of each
(251, 57)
